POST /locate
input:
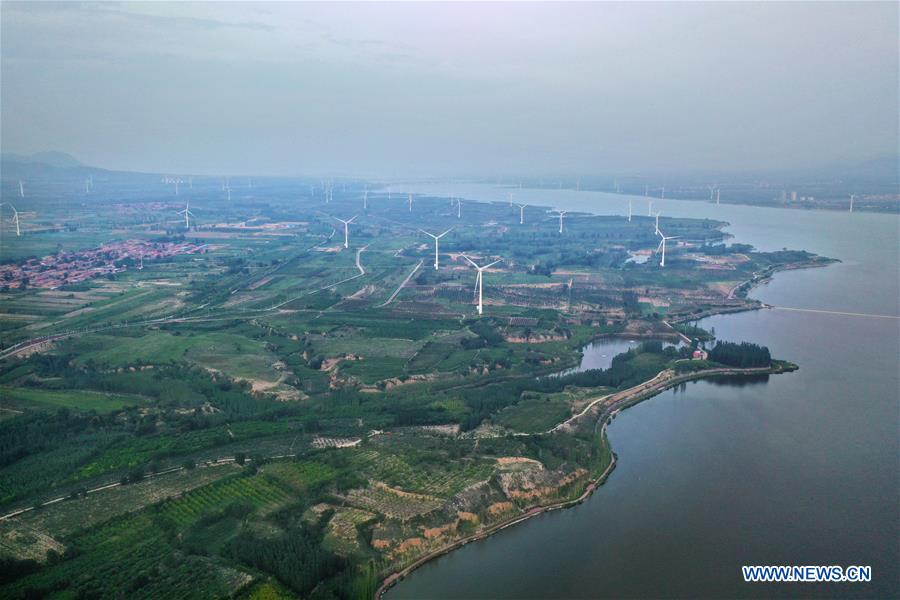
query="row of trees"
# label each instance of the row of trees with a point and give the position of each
(744, 355)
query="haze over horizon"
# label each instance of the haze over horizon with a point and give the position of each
(450, 89)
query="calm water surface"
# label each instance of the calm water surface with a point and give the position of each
(802, 468)
(599, 354)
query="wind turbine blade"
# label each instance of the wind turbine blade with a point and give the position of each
(491, 264)
(446, 232)
(471, 262)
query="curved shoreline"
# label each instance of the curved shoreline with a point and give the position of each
(619, 402)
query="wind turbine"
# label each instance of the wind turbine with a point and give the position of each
(479, 278)
(436, 238)
(366, 200)
(657, 223)
(646, 189)
(629, 210)
(662, 244)
(521, 213)
(649, 208)
(510, 200)
(561, 213)
(21, 190)
(15, 217)
(187, 212)
(662, 193)
(173, 180)
(852, 198)
(409, 200)
(347, 229)
(459, 208)
(228, 191)
(717, 196)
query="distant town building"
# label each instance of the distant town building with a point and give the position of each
(700, 354)
(67, 268)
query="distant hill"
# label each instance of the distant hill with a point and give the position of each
(51, 158)
(41, 165)
(56, 159)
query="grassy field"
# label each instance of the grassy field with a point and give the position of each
(82, 400)
(534, 415)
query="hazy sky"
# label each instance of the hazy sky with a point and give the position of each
(415, 89)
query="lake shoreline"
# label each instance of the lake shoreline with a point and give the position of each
(627, 398)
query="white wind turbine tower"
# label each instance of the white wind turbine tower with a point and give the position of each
(436, 238)
(852, 198)
(646, 189)
(629, 210)
(649, 208)
(479, 278)
(409, 201)
(15, 217)
(459, 208)
(657, 224)
(228, 191)
(21, 189)
(347, 230)
(717, 196)
(711, 189)
(510, 199)
(662, 244)
(187, 212)
(521, 213)
(662, 193)
(366, 200)
(561, 213)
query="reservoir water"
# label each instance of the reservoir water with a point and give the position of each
(794, 469)
(599, 354)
